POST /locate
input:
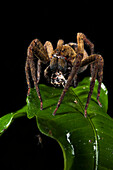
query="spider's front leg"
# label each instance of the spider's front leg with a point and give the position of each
(76, 65)
(38, 50)
(70, 79)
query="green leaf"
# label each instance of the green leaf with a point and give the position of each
(6, 120)
(87, 143)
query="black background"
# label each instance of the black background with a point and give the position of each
(21, 23)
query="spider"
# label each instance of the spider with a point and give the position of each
(63, 65)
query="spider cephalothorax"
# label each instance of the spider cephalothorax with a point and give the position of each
(63, 65)
(58, 67)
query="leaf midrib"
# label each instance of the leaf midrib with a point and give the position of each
(95, 135)
(96, 142)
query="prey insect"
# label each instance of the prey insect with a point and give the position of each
(63, 65)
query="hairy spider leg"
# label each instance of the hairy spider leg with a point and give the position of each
(33, 74)
(35, 49)
(30, 65)
(88, 42)
(95, 68)
(100, 77)
(27, 75)
(91, 46)
(98, 63)
(38, 70)
(49, 48)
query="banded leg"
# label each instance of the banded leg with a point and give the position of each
(27, 75)
(35, 49)
(33, 74)
(94, 75)
(91, 45)
(100, 78)
(38, 70)
(98, 64)
(49, 48)
(87, 41)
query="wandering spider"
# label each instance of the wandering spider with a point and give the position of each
(62, 65)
